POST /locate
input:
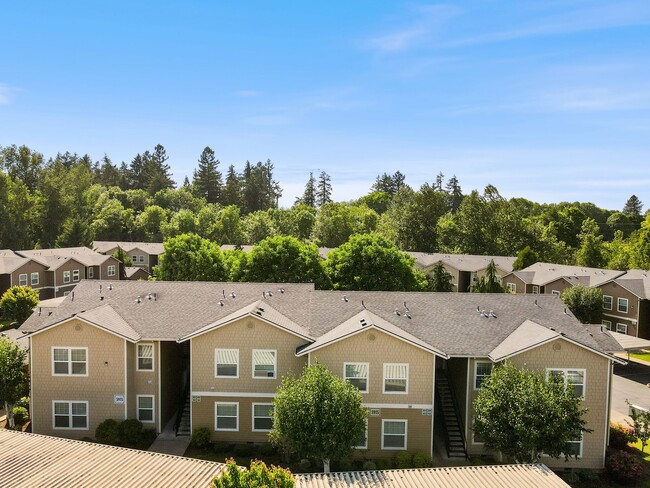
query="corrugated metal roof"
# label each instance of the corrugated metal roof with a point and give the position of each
(28, 460)
(506, 476)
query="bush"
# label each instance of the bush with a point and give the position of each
(130, 432)
(108, 432)
(404, 460)
(20, 415)
(266, 449)
(421, 460)
(305, 465)
(384, 463)
(624, 466)
(369, 466)
(23, 402)
(200, 438)
(243, 450)
(222, 446)
(620, 436)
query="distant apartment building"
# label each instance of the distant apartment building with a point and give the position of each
(626, 303)
(143, 254)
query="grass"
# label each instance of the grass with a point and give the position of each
(644, 356)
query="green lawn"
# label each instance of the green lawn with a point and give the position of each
(645, 356)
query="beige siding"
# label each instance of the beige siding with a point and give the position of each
(245, 334)
(376, 348)
(105, 377)
(418, 428)
(563, 354)
(142, 382)
(521, 286)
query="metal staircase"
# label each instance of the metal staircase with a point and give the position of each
(183, 419)
(451, 417)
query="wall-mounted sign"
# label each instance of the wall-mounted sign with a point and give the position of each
(119, 399)
(196, 398)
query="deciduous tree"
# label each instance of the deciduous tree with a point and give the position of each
(17, 303)
(13, 385)
(188, 257)
(585, 303)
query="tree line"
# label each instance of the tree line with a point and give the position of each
(72, 200)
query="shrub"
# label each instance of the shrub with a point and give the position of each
(384, 463)
(222, 446)
(243, 450)
(305, 465)
(266, 449)
(130, 431)
(108, 432)
(421, 460)
(344, 464)
(620, 436)
(200, 438)
(404, 460)
(20, 415)
(369, 466)
(23, 402)
(624, 466)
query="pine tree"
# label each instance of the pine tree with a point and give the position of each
(157, 173)
(633, 206)
(231, 194)
(309, 195)
(439, 180)
(324, 189)
(455, 193)
(207, 181)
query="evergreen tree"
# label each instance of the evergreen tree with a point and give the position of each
(157, 173)
(21, 163)
(455, 193)
(633, 206)
(108, 174)
(135, 174)
(74, 233)
(525, 258)
(309, 195)
(440, 279)
(490, 282)
(232, 190)
(324, 189)
(439, 180)
(207, 180)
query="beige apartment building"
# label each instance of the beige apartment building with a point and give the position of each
(213, 355)
(144, 255)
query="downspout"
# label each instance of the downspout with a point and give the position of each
(468, 382)
(31, 386)
(159, 389)
(610, 372)
(126, 382)
(191, 391)
(433, 403)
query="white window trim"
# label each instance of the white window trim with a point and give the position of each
(216, 375)
(611, 302)
(407, 379)
(67, 276)
(607, 324)
(618, 305)
(365, 446)
(141, 259)
(512, 287)
(91, 272)
(535, 289)
(70, 402)
(153, 357)
(236, 429)
(69, 349)
(367, 390)
(555, 293)
(253, 417)
(275, 364)
(31, 278)
(623, 326)
(110, 270)
(153, 408)
(476, 363)
(581, 442)
(77, 273)
(406, 435)
(566, 381)
(20, 279)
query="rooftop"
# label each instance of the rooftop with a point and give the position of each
(542, 273)
(155, 248)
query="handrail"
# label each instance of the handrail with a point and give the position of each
(181, 409)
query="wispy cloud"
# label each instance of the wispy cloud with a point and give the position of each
(6, 93)
(423, 22)
(248, 93)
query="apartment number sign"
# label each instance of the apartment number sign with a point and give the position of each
(119, 399)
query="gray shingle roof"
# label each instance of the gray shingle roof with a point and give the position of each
(542, 273)
(462, 262)
(636, 281)
(458, 324)
(56, 257)
(155, 248)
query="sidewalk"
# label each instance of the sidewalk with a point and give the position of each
(168, 443)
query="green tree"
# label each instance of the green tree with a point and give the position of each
(14, 384)
(18, 302)
(189, 257)
(284, 259)
(257, 476)
(323, 189)
(309, 195)
(122, 256)
(257, 226)
(22, 164)
(75, 232)
(618, 252)
(336, 222)
(232, 190)
(207, 181)
(318, 416)
(590, 253)
(182, 222)
(149, 223)
(633, 207)
(585, 303)
(526, 257)
(522, 415)
(490, 282)
(639, 246)
(156, 173)
(455, 194)
(618, 221)
(641, 425)
(440, 279)
(378, 201)
(371, 262)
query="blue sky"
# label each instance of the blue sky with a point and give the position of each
(548, 100)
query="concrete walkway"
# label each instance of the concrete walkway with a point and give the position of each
(168, 443)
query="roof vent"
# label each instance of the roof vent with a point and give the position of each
(110, 287)
(260, 309)
(221, 302)
(363, 304)
(269, 293)
(72, 296)
(138, 299)
(408, 315)
(397, 312)
(363, 322)
(281, 290)
(492, 314)
(565, 312)
(233, 295)
(101, 298)
(345, 298)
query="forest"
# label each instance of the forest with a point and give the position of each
(71, 200)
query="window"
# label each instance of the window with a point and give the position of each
(393, 434)
(512, 287)
(145, 408)
(481, 372)
(621, 328)
(555, 293)
(357, 374)
(91, 272)
(607, 302)
(66, 276)
(575, 448)
(571, 377)
(22, 279)
(226, 416)
(75, 275)
(34, 279)
(70, 361)
(66, 293)
(141, 259)
(607, 324)
(134, 258)
(70, 415)
(622, 305)
(535, 290)
(226, 363)
(396, 378)
(264, 363)
(262, 417)
(111, 270)
(363, 442)
(145, 357)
